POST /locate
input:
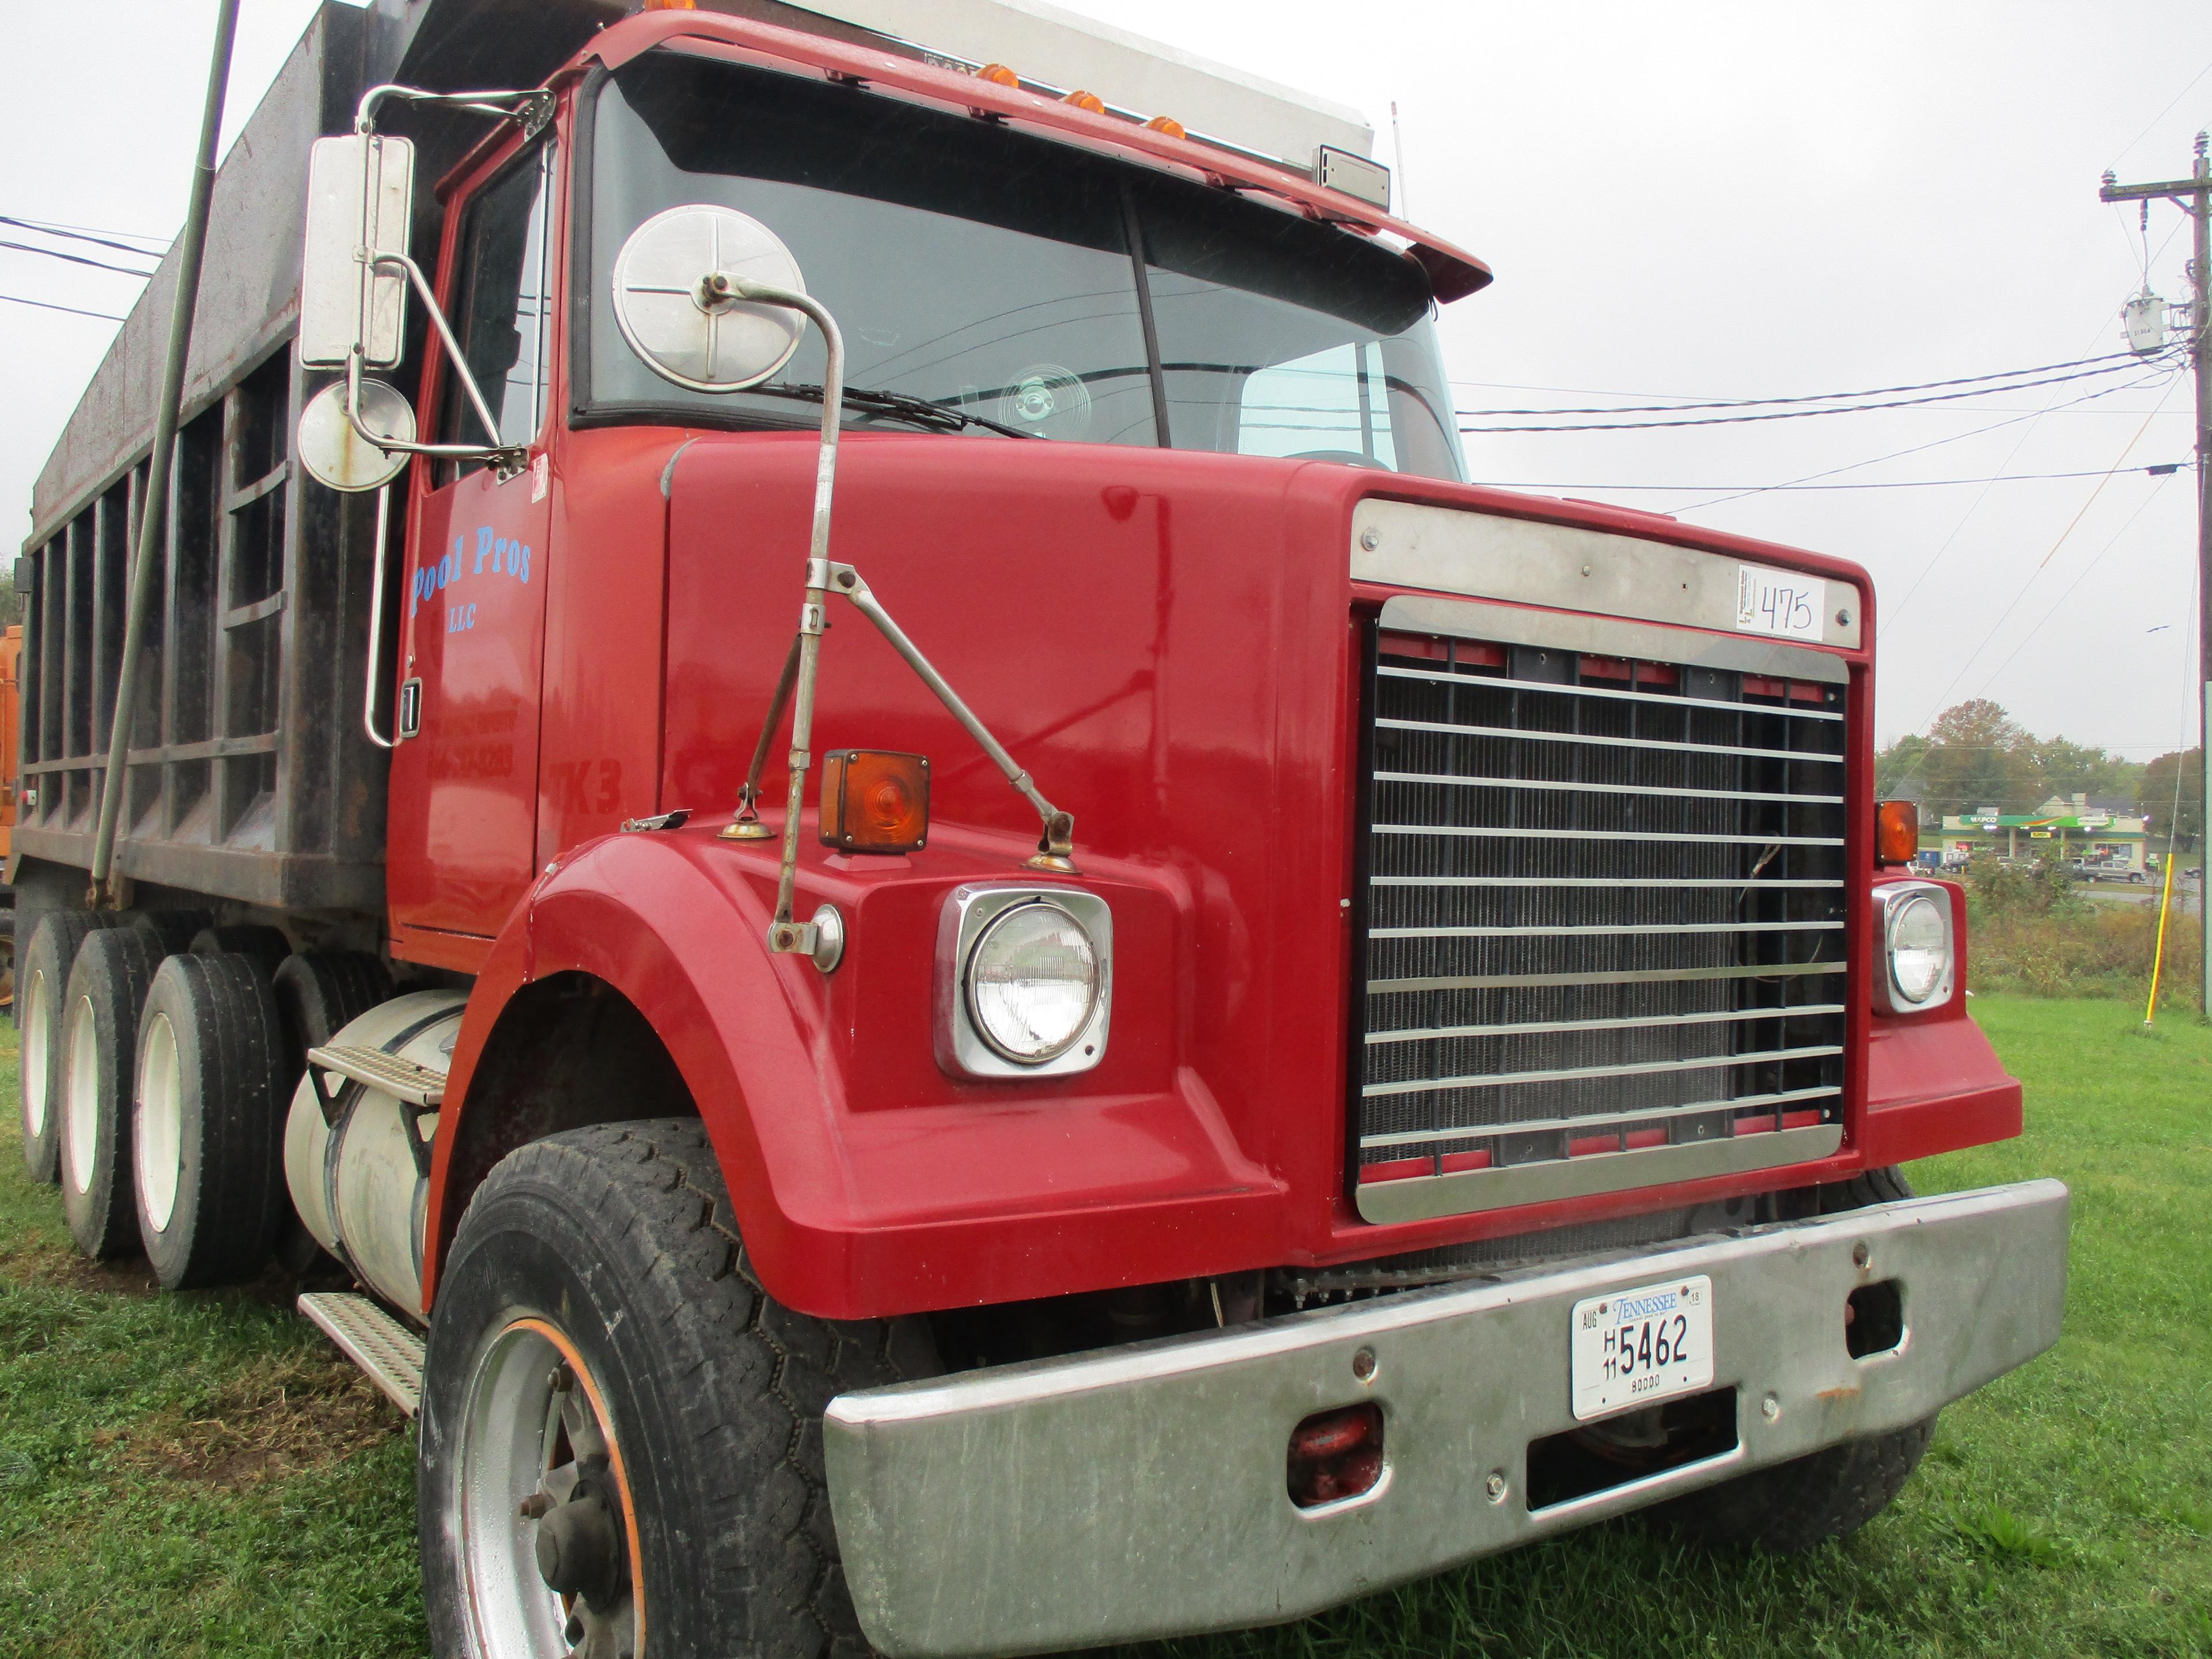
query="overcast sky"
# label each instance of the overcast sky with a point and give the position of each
(1693, 201)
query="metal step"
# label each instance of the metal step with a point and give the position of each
(388, 1351)
(417, 1085)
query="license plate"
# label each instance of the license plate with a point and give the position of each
(1632, 1347)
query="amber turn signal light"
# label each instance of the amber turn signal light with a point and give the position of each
(1896, 831)
(873, 801)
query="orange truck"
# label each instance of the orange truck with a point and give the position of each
(11, 703)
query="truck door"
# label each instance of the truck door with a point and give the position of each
(464, 781)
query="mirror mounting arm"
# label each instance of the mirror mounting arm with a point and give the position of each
(531, 110)
(1055, 846)
(509, 459)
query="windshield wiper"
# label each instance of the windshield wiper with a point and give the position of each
(920, 410)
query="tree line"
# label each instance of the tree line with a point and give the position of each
(1975, 755)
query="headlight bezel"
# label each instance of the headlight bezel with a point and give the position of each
(1892, 903)
(963, 1050)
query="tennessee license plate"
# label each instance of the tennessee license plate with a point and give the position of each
(1633, 1348)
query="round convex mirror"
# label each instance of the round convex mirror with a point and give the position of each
(667, 303)
(336, 455)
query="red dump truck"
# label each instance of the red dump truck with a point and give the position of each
(836, 771)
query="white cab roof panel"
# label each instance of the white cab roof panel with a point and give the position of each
(1043, 43)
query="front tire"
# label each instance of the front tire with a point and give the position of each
(612, 1253)
(1801, 1504)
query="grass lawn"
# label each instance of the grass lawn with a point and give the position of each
(200, 1475)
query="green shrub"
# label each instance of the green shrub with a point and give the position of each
(2078, 949)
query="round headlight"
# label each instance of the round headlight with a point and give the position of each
(1919, 947)
(1033, 982)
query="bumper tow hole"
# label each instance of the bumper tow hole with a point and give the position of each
(1334, 1455)
(1599, 1456)
(1874, 1319)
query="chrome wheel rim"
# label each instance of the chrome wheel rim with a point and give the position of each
(535, 1436)
(80, 1096)
(157, 1142)
(35, 1014)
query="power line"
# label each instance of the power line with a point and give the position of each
(76, 259)
(1891, 484)
(1802, 414)
(1890, 618)
(1807, 397)
(1992, 676)
(94, 230)
(1937, 443)
(77, 236)
(2162, 115)
(1967, 662)
(48, 305)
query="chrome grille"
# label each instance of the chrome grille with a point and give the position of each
(1604, 916)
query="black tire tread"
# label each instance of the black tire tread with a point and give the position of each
(174, 928)
(54, 943)
(229, 1216)
(115, 967)
(1799, 1505)
(760, 1377)
(266, 945)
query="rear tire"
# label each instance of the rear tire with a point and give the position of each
(114, 969)
(1800, 1505)
(712, 1401)
(266, 945)
(42, 993)
(174, 928)
(208, 1133)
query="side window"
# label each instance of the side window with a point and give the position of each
(1333, 402)
(503, 306)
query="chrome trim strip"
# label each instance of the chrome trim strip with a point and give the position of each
(1566, 568)
(1438, 1033)
(1638, 744)
(1598, 1120)
(1424, 1198)
(1595, 881)
(1634, 837)
(1486, 682)
(1508, 624)
(1607, 930)
(1638, 976)
(1134, 1492)
(1603, 788)
(1632, 1068)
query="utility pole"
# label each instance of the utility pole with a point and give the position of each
(2193, 196)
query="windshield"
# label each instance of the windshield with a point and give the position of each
(996, 275)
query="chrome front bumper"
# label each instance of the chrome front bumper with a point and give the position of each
(1140, 1492)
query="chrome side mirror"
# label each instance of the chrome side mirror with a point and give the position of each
(355, 456)
(677, 294)
(353, 284)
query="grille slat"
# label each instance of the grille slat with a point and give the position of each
(1604, 911)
